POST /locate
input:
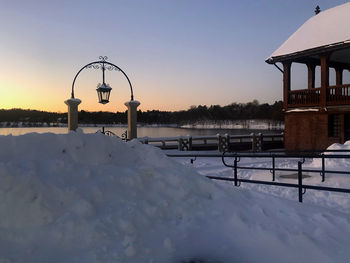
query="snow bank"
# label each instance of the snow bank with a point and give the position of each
(92, 198)
(335, 164)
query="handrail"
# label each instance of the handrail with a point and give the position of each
(300, 186)
(209, 137)
(221, 142)
(304, 90)
(335, 95)
(339, 94)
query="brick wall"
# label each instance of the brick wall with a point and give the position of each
(308, 131)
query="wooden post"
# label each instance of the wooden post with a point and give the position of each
(338, 76)
(311, 75)
(286, 83)
(324, 79)
(338, 80)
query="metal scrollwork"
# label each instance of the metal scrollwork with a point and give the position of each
(103, 64)
(94, 66)
(99, 65)
(103, 58)
(111, 67)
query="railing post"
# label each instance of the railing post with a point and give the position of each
(185, 144)
(180, 144)
(323, 168)
(273, 167)
(300, 182)
(235, 171)
(253, 142)
(223, 142)
(260, 142)
(190, 143)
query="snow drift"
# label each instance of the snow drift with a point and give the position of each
(92, 198)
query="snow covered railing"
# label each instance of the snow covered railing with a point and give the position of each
(223, 143)
(274, 168)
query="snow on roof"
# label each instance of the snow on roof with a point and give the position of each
(327, 28)
(303, 110)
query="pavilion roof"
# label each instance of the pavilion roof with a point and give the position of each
(329, 30)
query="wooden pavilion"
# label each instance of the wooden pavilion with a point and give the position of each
(316, 117)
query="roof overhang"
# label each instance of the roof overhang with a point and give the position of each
(340, 53)
(327, 32)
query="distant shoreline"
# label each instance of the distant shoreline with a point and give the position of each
(238, 124)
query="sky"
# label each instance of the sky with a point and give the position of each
(177, 53)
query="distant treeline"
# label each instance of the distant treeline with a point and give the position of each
(234, 111)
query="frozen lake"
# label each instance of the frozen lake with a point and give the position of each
(141, 131)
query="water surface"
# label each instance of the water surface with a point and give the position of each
(141, 131)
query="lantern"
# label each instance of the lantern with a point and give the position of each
(103, 92)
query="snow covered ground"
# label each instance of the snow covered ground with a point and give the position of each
(237, 124)
(92, 198)
(339, 201)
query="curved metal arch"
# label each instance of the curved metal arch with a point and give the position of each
(103, 61)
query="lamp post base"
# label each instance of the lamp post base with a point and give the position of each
(132, 118)
(72, 113)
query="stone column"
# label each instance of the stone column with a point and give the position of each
(72, 113)
(132, 118)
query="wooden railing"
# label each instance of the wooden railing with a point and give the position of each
(338, 95)
(335, 95)
(305, 97)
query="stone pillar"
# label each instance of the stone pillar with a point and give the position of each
(132, 118)
(72, 113)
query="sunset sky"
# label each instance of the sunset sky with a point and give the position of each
(176, 53)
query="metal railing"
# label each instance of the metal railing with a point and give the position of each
(279, 155)
(124, 135)
(221, 142)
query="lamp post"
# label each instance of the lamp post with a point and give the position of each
(103, 92)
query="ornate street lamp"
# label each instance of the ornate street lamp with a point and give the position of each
(103, 93)
(103, 90)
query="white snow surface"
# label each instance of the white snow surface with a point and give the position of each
(303, 110)
(237, 124)
(93, 198)
(327, 28)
